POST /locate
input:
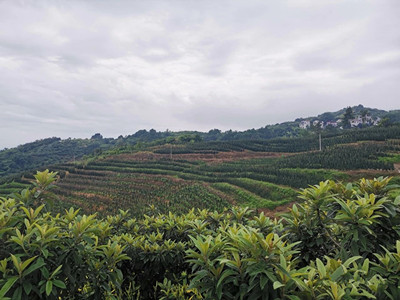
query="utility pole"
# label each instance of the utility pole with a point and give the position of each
(320, 142)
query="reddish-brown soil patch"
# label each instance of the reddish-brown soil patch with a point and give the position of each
(91, 196)
(275, 212)
(207, 157)
(357, 174)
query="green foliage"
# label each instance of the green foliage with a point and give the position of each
(46, 152)
(344, 220)
(341, 242)
(348, 115)
(343, 157)
(292, 142)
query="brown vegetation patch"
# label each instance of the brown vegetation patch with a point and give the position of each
(92, 196)
(217, 157)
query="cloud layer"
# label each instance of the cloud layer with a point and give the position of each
(74, 68)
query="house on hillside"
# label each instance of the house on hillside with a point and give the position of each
(319, 123)
(368, 119)
(376, 122)
(305, 124)
(331, 123)
(364, 120)
(356, 121)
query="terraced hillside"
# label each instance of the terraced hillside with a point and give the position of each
(219, 174)
(106, 192)
(9, 188)
(178, 182)
(138, 180)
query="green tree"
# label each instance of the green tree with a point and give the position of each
(326, 117)
(364, 114)
(348, 115)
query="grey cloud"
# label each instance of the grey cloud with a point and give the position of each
(73, 68)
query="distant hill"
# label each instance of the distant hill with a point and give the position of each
(41, 153)
(47, 152)
(357, 110)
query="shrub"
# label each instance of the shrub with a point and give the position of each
(341, 242)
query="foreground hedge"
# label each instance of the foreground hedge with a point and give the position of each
(341, 242)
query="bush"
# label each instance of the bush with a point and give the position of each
(341, 242)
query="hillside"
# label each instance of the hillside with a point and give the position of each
(42, 153)
(260, 180)
(48, 151)
(261, 174)
(357, 110)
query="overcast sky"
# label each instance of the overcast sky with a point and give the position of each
(74, 68)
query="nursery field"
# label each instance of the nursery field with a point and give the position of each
(166, 178)
(122, 182)
(143, 181)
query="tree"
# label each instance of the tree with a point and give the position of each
(385, 122)
(364, 114)
(348, 115)
(96, 136)
(326, 117)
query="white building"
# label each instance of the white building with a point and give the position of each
(305, 124)
(319, 123)
(331, 123)
(355, 122)
(376, 122)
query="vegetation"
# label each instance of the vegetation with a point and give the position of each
(177, 182)
(368, 155)
(285, 137)
(47, 152)
(341, 242)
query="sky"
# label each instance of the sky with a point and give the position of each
(75, 68)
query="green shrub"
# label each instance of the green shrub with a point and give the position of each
(341, 242)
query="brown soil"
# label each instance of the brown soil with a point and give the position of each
(357, 174)
(207, 157)
(92, 195)
(275, 212)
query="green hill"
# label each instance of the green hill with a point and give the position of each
(229, 174)
(177, 171)
(278, 137)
